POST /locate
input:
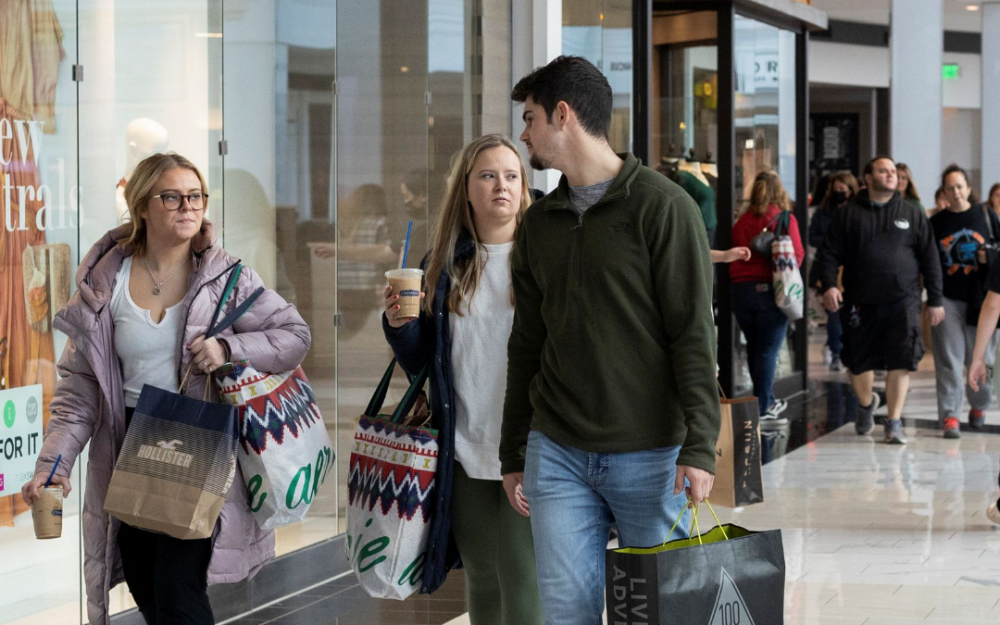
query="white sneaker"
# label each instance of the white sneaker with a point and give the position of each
(773, 413)
(827, 355)
(993, 514)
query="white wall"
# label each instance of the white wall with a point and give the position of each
(843, 64)
(961, 142)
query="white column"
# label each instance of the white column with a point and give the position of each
(990, 164)
(536, 39)
(916, 45)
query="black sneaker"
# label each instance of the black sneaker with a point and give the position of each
(865, 422)
(836, 365)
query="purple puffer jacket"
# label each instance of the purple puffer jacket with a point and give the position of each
(89, 402)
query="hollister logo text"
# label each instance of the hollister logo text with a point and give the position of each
(165, 452)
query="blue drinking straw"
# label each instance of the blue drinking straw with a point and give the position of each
(406, 248)
(53, 472)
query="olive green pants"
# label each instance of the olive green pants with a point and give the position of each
(497, 552)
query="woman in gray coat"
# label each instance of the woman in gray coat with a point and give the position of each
(146, 294)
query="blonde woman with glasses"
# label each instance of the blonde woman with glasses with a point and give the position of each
(146, 293)
(465, 320)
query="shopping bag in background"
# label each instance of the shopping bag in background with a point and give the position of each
(738, 479)
(789, 291)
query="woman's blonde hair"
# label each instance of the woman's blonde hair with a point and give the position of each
(767, 190)
(147, 173)
(454, 217)
(911, 187)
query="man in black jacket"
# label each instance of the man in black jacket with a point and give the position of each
(885, 245)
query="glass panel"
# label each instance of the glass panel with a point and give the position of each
(280, 73)
(601, 31)
(765, 117)
(39, 249)
(152, 84)
(383, 181)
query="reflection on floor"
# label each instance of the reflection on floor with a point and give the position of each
(873, 534)
(343, 602)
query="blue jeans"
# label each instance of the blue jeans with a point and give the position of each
(834, 332)
(765, 327)
(574, 498)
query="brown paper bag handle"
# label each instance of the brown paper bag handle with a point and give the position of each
(208, 382)
(721, 392)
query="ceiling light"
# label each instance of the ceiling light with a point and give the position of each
(972, 7)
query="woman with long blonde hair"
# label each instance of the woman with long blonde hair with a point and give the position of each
(762, 322)
(465, 320)
(907, 187)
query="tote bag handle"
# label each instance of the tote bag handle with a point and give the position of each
(378, 398)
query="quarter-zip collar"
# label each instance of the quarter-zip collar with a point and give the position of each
(618, 189)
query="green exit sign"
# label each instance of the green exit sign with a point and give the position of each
(950, 71)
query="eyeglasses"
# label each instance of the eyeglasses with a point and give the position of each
(173, 201)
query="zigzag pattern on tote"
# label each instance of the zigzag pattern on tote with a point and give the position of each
(278, 402)
(392, 467)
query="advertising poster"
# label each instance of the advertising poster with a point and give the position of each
(34, 276)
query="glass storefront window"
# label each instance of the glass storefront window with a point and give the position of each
(321, 128)
(39, 202)
(601, 32)
(765, 119)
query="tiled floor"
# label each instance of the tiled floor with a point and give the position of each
(873, 534)
(343, 602)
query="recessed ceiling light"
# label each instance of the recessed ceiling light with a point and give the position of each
(972, 7)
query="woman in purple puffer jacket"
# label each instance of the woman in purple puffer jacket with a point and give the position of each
(146, 294)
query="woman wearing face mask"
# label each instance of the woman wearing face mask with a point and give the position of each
(843, 187)
(465, 320)
(962, 232)
(907, 188)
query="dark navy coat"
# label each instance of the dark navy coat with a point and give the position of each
(428, 339)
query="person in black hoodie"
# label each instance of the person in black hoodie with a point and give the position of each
(885, 244)
(843, 186)
(963, 231)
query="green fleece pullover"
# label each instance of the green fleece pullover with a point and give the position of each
(613, 345)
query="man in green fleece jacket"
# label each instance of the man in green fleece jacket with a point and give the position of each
(611, 411)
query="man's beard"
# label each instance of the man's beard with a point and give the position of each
(878, 187)
(538, 163)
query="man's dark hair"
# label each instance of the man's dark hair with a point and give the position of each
(957, 169)
(575, 81)
(870, 167)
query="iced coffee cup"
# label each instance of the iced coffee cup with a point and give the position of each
(406, 284)
(47, 512)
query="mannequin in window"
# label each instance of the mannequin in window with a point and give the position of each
(144, 137)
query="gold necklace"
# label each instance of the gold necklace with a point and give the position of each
(157, 285)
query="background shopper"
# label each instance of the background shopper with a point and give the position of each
(962, 233)
(907, 187)
(885, 245)
(843, 187)
(763, 324)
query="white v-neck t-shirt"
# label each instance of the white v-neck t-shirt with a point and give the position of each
(479, 365)
(147, 350)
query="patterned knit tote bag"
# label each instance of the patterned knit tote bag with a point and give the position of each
(390, 493)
